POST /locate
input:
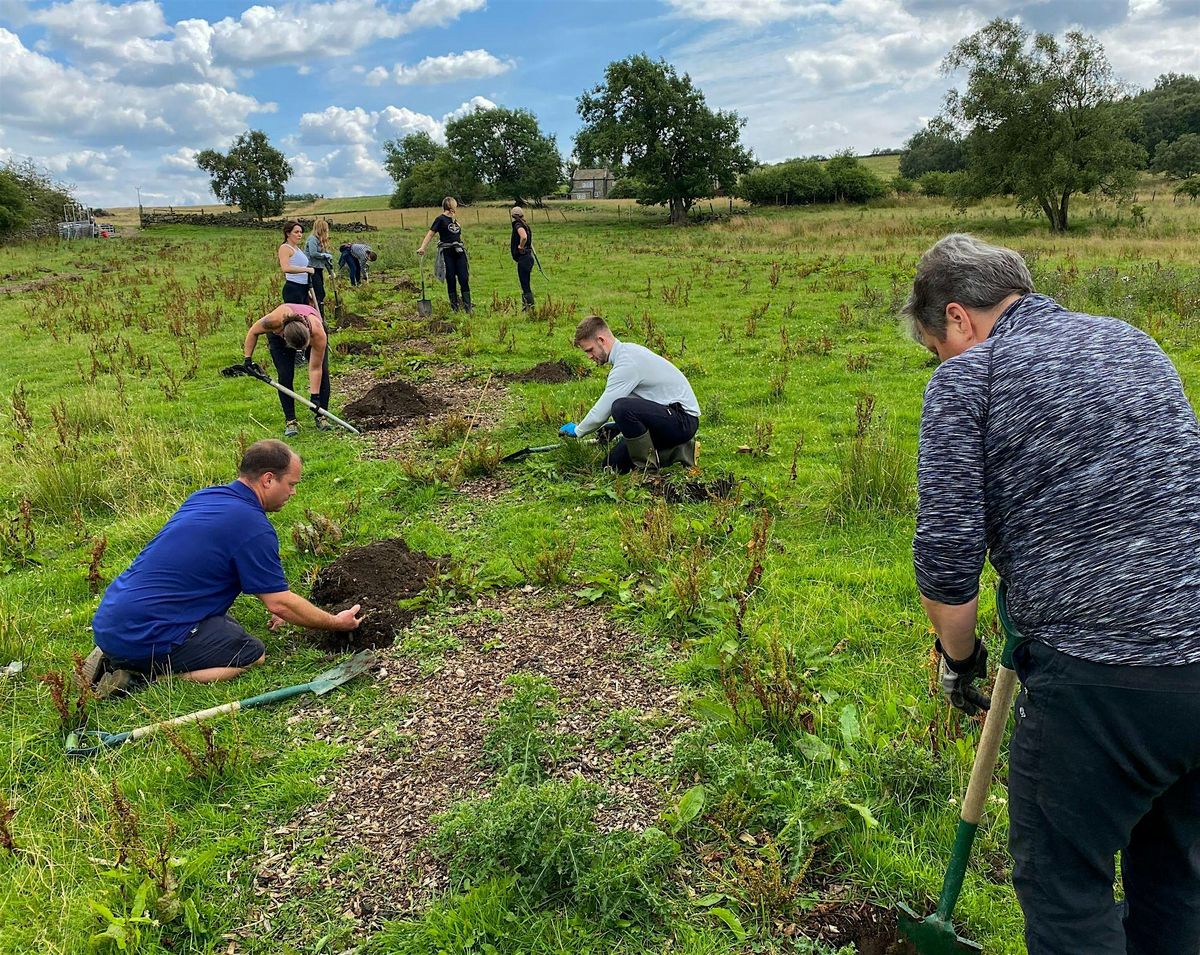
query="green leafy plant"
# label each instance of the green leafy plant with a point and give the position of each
(521, 742)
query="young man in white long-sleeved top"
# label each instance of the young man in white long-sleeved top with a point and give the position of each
(649, 400)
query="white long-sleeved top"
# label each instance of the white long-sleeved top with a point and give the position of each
(637, 371)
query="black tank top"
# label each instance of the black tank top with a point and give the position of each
(516, 239)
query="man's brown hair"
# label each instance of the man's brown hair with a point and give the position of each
(589, 328)
(266, 456)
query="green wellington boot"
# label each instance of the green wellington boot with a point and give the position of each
(684, 454)
(642, 452)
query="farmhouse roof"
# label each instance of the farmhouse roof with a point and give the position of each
(592, 174)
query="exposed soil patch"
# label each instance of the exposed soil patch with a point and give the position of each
(356, 348)
(871, 929)
(551, 373)
(695, 491)
(438, 327)
(34, 284)
(382, 795)
(449, 389)
(377, 576)
(352, 320)
(390, 402)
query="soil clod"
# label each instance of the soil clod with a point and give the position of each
(377, 576)
(550, 373)
(871, 929)
(356, 348)
(697, 491)
(391, 402)
(352, 320)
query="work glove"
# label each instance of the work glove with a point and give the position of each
(316, 400)
(254, 368)
(568, 430)
(957, 677)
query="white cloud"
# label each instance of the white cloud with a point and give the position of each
(470, 106)
(453, 67)
(345, 171)
(336, 125)
(90, 23)
(751, 12)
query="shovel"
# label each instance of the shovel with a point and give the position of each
(233, 371)
(91, 742)
(424, 306)
(934, 934)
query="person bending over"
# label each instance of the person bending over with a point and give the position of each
(290, 329)
(649, 399)
(168, 612)
(1063, 447)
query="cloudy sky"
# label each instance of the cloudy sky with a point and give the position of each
(113, 95)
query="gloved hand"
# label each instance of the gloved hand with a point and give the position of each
(253, 367)
(316, 400)
(568, 430)
(957, 677)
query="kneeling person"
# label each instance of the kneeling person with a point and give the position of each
(648, 398)
(167, 612)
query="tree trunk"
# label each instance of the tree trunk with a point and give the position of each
(679, 211)
(1062, 212)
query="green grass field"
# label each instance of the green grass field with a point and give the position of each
(817, 764)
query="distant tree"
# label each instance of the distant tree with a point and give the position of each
(1044, 120)
(1170, 110)
(795, 182)
(14, 208)
(1180, 159)
(852, 181)
(655, 126)
(936, 148)
(428, 183)
(251, 175)
(400, 156)
(506, 149)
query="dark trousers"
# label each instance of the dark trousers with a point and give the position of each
(284, 359)
(456, 269)
(1106, 760)
(351, 263)
(294, 293)
(318, 287)
(524, 270)
(669, 427)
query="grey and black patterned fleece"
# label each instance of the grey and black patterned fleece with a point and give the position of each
(1065, 449)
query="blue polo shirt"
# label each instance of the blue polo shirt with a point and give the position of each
(217, 545)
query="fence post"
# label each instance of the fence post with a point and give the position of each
(477, 215)
(401, 220)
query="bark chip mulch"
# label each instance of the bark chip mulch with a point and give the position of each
(383, 794)
(377, 576)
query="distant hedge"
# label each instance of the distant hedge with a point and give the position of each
(238, 220)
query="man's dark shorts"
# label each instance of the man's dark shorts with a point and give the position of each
(215, 642)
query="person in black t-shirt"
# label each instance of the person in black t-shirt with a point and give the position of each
(452, 254)
(521, 247)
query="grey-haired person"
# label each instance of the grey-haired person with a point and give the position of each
(1062, 447)
(521, 247)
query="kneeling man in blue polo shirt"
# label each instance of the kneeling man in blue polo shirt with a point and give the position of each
(167, 613)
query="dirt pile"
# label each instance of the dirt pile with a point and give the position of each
(871, 929)
(377, 576)
(356, 348)
(406, 285)
(675, 491)
(352, 320)
(550, 373)
(389, 403)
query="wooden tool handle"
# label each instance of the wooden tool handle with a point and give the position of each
(989, 745)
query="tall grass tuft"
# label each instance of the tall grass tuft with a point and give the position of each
(876, 474)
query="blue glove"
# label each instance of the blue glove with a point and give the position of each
(568, 429)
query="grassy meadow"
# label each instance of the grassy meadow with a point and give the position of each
(817, 760)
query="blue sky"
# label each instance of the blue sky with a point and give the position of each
(116, 95)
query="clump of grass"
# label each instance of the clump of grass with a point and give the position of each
(448, 430)
(766, 691)
(648, 540)
(522, 743)
(317, 534)
(875, 472)
(549, 565)
(211, 762)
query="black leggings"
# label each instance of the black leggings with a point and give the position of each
(456, 267)
(669, 427)
(318, 287)
(294, 293)
(524, 270)
(285, 367)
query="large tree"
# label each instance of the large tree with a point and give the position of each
(1179, 159)
(29, 194)
(655, 125)
(936, 148)
(1043, 120)
(506, 149)
(253, 174)
(401, 156)
(1170, 110)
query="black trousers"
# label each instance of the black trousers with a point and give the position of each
(669, 427)
(318, 287)
(456, 269)
(1106, 760)
(284, 359)
(524, 270)
(294, 293)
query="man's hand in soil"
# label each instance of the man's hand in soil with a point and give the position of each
(349, 618)
(568, 430)
(275, 622)
(957, 677)
(293, 608)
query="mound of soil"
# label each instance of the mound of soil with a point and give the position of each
(696, 492)
(352, 320)
(390, 402)
(406, 285)
(550, 373)
(356, 348)
(377, 576)
(871, 929)
(437, 327)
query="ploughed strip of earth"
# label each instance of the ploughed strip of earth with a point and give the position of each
(383, 794)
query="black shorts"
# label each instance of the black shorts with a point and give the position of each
(215, 642)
